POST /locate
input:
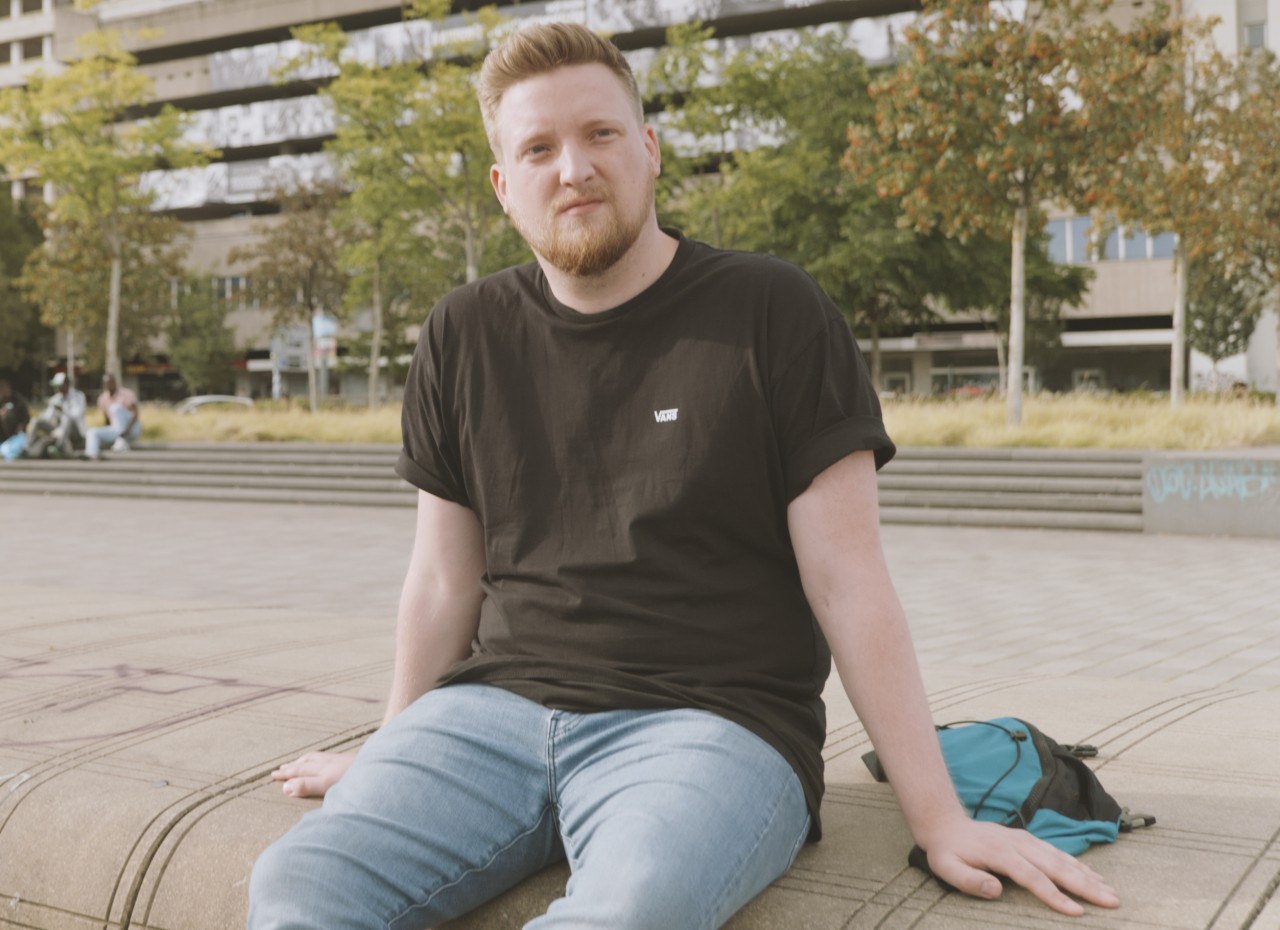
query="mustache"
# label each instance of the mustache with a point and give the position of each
(560, 204)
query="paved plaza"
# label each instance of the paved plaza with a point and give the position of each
(1177, 609)
(157, 658)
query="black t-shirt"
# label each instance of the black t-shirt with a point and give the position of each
(631, 470)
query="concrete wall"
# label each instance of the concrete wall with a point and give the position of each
(1224, 493)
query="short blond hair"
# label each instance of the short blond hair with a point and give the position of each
(538, 49)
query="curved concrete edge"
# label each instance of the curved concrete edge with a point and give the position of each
(136, 738)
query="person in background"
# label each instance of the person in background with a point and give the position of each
(14, 412)
(61, 425)
(120, 406)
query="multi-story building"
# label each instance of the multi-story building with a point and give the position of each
(216, 58)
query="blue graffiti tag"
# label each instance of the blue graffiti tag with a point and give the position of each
(1212, 479)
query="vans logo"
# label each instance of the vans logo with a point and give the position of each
(666, 416)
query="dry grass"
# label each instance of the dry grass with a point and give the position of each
(273, 422)
(1086, 421)
(1078, 421)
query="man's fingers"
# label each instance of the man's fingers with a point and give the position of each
(965, 878)
(1072, 875)
(1048, 873)
(1034, 879)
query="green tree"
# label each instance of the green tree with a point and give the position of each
(984, 120)
(294, 262)
(76, 129)
(1222, 308)
(1167, 180)
(411, 145)
(201, 345)
(979, 283)
(764, 130)
(1249, 242)
(763, 171)
(73, 268)
(26, 343)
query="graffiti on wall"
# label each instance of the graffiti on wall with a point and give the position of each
(1239, 480)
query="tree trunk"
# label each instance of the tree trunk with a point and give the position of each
(311, 360)
(1017, 313)
(112, 361)
(375, 342)
(1177, 358)
(312, 390)
(1001, 361)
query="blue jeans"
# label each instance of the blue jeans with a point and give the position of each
(105, 435)
(670, 819)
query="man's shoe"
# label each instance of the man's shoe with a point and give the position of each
(120, 445)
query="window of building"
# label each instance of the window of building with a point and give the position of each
(1111, 248)
(1255, 35)
(1162, 245)
(1078, 241)
(6, 54)
(1135, 244)
(32, 6)
(32, 49)
(1057, 232)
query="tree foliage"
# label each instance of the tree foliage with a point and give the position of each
(26, 342)
(72, 270)
(294, 262)
(1222, 308)
(1167, 182)
(421, 218)
(985, 119)
(1250, 243)
(201, 345)
(763, 132)
(77, 129)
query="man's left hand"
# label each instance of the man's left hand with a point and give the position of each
(968, 855)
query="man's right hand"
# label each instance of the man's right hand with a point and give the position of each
(311, 775)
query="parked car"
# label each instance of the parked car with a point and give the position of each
(192, 404)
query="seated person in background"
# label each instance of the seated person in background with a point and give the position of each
(120, 406)
(14, 412)
(61, 425)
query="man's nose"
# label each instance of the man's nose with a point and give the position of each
(575, 164)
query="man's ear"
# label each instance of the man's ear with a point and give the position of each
(499, 183)
(654, 149)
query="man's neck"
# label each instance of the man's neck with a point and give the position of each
(643, 264)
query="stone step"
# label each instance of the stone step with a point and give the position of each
(985, 500)
(133, 465)
(1043, 468)
(1011, 483)
(1026, 519)
(1083, 489)
(275, 495)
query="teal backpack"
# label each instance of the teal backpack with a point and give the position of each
(1005, 770)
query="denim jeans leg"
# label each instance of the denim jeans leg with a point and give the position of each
(672, 820)
(446, 806)
(98, 437)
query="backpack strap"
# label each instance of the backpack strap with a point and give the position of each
(1130, 821)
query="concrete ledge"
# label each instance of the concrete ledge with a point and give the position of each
(1227, 493)
(136, 736)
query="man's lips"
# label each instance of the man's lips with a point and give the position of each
(581, 205)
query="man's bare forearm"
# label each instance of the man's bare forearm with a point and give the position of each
(435, 627)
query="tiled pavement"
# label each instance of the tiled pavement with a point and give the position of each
(157, 657)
